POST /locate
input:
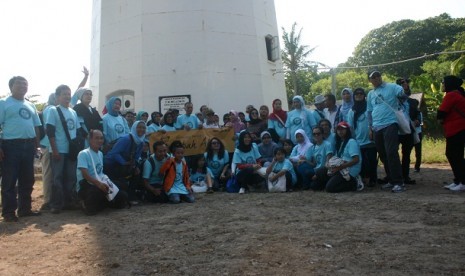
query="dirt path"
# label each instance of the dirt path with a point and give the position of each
(420, 232)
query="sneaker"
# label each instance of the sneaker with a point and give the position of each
(450, 186)
(242, 191)
(458, 188)
(398, 188)
(387, 186)
(360, 185)
(209, 190)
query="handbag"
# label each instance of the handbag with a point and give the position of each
(199, 186)
(232, 186)
(113, 189)
(75, 145)
(402, 121)
(277, 186)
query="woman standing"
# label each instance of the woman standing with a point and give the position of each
(358, 121)
(168, 122)
(114, 125)
(277, 120)
(299, 118)
(347, 103)
(86, 113)
(451, 115)
(255, 126)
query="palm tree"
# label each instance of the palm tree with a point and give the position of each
(294, 55)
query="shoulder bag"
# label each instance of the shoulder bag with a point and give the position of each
(75, 145)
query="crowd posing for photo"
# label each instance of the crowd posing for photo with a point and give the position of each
(91, 162)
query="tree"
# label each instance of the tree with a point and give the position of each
(294, 57)
(406, 39)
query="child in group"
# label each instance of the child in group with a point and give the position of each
(282, 166)
(177, 184)
(201, 174)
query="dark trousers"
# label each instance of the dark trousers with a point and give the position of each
(454, 153)
(334, 183)
(288, 181)
(247, 176)
(418, 152)
(17, 166)
(95, 200)
(151, 197)
(387, 145)
(407, 145)
(369, 163)
(304, 174)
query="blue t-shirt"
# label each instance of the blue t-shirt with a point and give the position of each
(168, 128)
(191, 120)
(72, 123)
(361, 133)
(198, 176)
(319, 153)
(318, 115)
(178, 186)
(152, 174)
(152, 128)
(84, 161)
(114, 127)
(250, 157)
(217, 165)
(295, 121)
(352, 149)
(285, 165)
(45, 142)
(332, 141)
(377, 103)
(278, 127)
(18, 119)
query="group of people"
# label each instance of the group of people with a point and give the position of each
(332, 148)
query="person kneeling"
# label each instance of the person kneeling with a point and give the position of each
(177, 183)
(341, 171)
(93, 190)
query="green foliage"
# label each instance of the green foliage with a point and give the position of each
(406, 39)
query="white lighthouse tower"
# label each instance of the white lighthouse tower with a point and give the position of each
(158, 54)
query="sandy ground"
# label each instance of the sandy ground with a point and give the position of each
(419, 232)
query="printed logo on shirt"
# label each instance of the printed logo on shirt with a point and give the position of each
(215, 165)
(250, 160)
(379, 99)
(70, 124)
(99, 168)
(25, 113)
(119, 128)
(318, 158)
(297, 121)
(190, 124)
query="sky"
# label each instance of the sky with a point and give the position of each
(48, 41)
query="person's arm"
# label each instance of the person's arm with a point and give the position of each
(102, 186)
(50, 129)
(122, 145)
(86, 76)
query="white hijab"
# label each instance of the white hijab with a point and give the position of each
(303, 147)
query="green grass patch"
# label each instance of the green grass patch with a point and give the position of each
(433, 151)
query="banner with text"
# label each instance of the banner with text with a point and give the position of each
(195, 140)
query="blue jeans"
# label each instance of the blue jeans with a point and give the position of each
(176, 198)
(17, 166)
(305, 172)
(387, 144)
(64, 182)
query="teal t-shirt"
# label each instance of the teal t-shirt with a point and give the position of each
(382, 101)
(278, 127)
(296, 120)
(191, 120)
(250, 157)
(319, 153)
(72, 124)
(18, 119)
(198, 176)
(352, 149)
(84, 161)
(178, 186)
(114, 127)
(361, 133)
(152, 174)
(217, 165)
(285, 165)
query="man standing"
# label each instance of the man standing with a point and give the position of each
(188, 121)
(63, 168)
(332, 110)
(382, 102)
(18, 143)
